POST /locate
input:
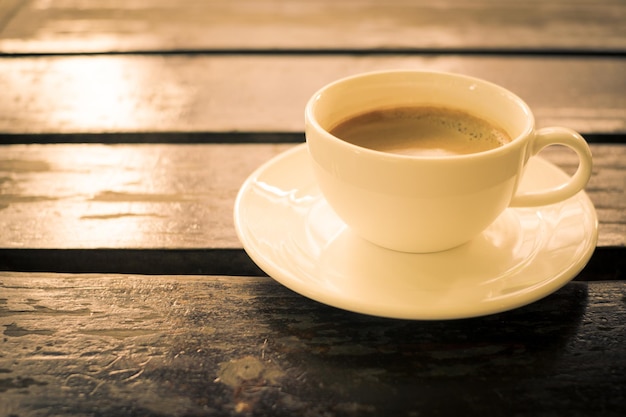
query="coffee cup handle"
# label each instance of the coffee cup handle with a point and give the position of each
(571, 139)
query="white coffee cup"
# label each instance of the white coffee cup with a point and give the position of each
(429, 203)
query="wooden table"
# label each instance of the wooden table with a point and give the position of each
(126, 130)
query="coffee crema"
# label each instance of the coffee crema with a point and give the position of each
(421, 131)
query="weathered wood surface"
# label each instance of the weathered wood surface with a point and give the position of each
(241, 71)
(252, 93)
(187, 346)
(153, 196)
(75, 26)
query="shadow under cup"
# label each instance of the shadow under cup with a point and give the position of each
(416, 203)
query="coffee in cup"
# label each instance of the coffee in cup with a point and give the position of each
(420, 161)
(423, 130)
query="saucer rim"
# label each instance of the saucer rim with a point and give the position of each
(285, 276)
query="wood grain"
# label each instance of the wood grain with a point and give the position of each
(166, 196)
(75, 26)
(169, 345)
(249, 93)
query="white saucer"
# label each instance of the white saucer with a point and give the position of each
(288, 229)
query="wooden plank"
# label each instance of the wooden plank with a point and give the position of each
(164, 196)
(168, 345)
(155, 25)
(234, 93)
(126, 196)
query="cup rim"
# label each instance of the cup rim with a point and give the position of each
(529, 124)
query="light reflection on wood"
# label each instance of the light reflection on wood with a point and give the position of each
(123, 196)
(260, 93)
